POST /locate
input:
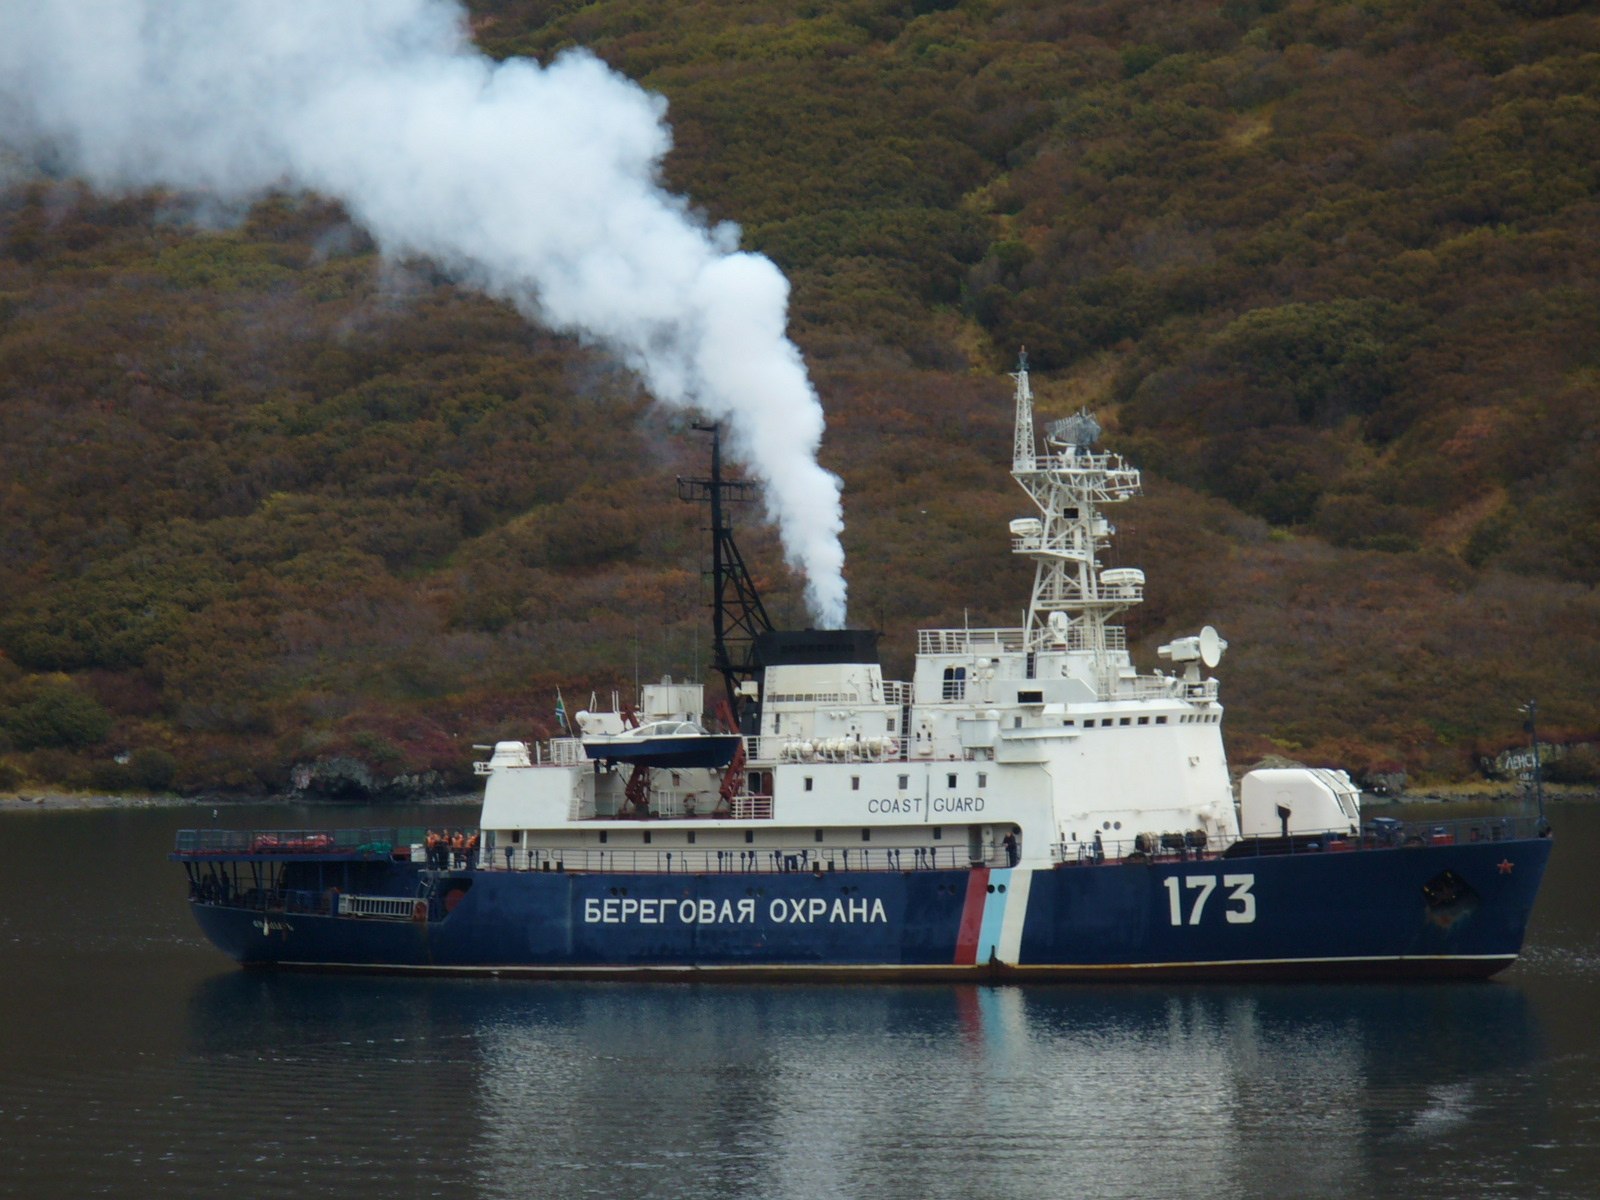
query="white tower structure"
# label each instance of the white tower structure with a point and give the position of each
(1073, 601)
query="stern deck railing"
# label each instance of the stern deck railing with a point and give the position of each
(1377, 833)
(372, 843)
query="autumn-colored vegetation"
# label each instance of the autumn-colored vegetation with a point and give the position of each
(1329, 272)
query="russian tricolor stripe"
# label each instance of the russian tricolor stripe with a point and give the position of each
(992, 916)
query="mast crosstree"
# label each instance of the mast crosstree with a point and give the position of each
(738, 616)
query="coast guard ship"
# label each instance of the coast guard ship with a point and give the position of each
(1030, 806)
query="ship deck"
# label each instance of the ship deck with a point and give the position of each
(405, 845)
(389, 843)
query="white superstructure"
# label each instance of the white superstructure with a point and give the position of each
(1042, 743)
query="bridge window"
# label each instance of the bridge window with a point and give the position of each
(808, 783)
(955, 683)
(950, 781)
(855, 783)
(905, 782)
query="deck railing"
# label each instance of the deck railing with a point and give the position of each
(1015, 641)
(964, 641)
(384, 842)
(695, 861)
(1377, 833)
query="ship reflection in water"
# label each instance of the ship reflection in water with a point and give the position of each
(928, 1091)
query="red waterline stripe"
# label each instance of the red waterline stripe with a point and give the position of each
(972, 917)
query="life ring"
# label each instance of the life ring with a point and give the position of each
(419, 911)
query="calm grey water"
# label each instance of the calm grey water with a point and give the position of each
(136, 1061)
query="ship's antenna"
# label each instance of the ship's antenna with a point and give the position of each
(1022, 454)
(737, 615)
(1532, 727)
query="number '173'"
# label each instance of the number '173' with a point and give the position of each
(1239, 906)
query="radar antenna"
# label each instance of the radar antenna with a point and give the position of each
(737, 615)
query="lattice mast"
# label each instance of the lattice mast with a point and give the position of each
(1073, 602)
(737, 614)
(1022, 444)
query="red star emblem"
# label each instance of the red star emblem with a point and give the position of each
(1505, 866)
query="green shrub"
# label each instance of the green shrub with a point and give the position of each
(57, 768)
(111, 777)
(152, 768)
(1580, 764)
(50, 713)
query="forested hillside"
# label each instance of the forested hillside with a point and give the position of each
(1328, 272)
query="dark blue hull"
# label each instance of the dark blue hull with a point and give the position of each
(1456, 910)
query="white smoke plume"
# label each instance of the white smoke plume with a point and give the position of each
(538, 185)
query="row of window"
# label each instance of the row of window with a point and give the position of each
(1109, 721)
(1187, 719)
(647, 837)
(904, 781)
